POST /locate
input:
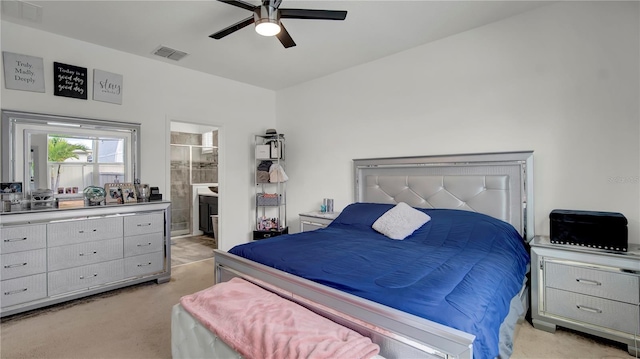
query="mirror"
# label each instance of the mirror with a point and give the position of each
(67, 154)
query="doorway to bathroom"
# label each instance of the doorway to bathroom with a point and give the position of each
(194, 154)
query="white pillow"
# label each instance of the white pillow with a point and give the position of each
(400, 221)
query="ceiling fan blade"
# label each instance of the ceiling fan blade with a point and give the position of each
(233, 28)
(312, 14)
(273, 3)
(285, 38)
(240, 4)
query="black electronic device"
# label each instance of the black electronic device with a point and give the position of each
(155, 194)
(603, 230)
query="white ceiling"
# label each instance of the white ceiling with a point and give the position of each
(373, 29)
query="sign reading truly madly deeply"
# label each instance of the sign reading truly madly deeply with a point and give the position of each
(69, 81)
(107, 87)
(23, 72)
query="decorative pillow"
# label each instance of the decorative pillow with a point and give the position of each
(400, 221)
(361, 215)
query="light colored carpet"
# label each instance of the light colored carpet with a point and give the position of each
(563, 344)
(191, 249)
(136, 323)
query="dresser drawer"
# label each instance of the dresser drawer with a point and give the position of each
(146, 243)
(316, 220)
(24, 289)
(23, 238)
(144, 264)
(600, 283)
(72, 232)
(76, 255)
(597, 311)
(22, 264)
(68, 280)
(143, 224)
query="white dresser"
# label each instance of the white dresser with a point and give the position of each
(55, 255)
(588, 290)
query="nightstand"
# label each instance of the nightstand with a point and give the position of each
(314, 220)
(585, 289)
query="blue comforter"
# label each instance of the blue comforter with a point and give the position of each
(460, 269)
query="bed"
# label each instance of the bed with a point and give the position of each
(402, 294)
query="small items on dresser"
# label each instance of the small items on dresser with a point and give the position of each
(327, 205)
(155, 194)
(604, 230)
(42, 198)
(94, 195)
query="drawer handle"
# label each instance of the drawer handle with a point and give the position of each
(587, 281)
(144, 224)
(144, 245)
(588, 309)
(15, 239)
(16, 265)
(15, 291)
(93, 230)
(90, 276)
(144, 264)
(88, 254)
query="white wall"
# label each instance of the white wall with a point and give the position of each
(562, 80)
(154, 93)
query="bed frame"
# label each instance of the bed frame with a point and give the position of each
(497, 184)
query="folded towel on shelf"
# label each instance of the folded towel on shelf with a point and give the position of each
(262, 177)
(262, 325)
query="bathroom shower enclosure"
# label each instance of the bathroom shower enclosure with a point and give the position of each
(194, 168)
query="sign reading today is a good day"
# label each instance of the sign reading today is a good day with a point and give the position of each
(69, 81)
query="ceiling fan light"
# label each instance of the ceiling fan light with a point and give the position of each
(267, 27)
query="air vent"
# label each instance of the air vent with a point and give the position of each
(22, 10)
(169, 53)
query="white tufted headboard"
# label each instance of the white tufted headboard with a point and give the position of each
(496, 184)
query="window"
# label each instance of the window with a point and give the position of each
(77, 162)
(207, 142)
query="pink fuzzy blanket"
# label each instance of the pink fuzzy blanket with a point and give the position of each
(262, 325)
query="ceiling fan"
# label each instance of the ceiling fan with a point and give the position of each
(267, 19)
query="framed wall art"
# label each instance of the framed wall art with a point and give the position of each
(107, 87)
(23, 72)
(69, 81)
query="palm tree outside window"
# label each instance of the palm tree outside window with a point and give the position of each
(75, 163)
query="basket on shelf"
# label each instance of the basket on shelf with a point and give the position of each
(268, 199)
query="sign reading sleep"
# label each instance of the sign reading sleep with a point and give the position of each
(69, 81)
